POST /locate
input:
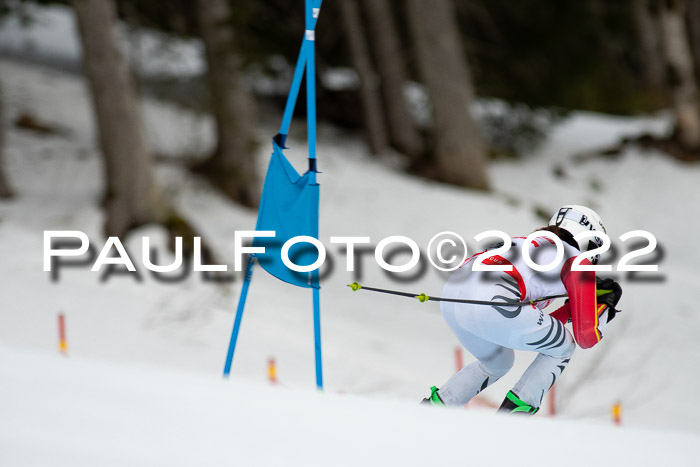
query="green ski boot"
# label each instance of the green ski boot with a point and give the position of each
(434, 399)
(513, 404)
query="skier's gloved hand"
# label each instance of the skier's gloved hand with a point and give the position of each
(608, 293)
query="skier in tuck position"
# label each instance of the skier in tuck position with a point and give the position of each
(491, 333)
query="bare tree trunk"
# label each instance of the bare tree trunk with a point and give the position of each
(650, 44)
(373, 117)
(232, 166)
(389, 57)
(693, 23)
(679, 71)
(132, 198)
(5, 191)
(459, 150)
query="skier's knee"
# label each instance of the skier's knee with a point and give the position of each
(570, 350)
(565, 350)
(498, 363)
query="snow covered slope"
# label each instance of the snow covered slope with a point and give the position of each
(375, 346)
(108, 414)
(47, 33)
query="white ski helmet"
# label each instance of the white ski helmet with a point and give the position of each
(576, 219)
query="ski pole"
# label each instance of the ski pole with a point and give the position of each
(424, 298)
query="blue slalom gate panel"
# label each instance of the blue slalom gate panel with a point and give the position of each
(289, 206)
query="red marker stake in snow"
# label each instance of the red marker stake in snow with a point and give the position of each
(62, 343)
(552, 401)
(458, 358)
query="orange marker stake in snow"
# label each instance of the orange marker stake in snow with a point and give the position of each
(458, 358)
(272, 371)
(62, 343)
(617, 413)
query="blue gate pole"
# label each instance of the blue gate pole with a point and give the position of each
(317, 337)
(293, 92)
(311, 82)
(312, 12)
(311, 16)
(239, 316)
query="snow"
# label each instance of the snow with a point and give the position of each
(111, 414)
(40, 31)
(141, 384)
(48, 33)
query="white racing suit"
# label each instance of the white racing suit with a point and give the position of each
(492, 332)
